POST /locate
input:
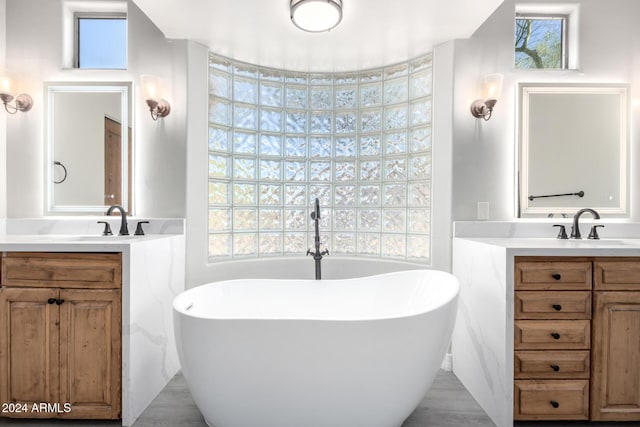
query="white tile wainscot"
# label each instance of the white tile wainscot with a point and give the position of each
(483, 262)
(153, 273)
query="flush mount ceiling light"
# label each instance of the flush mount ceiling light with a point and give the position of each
(316, 16)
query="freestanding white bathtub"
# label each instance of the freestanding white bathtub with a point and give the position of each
(304, 353)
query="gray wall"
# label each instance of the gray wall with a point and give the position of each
(160, 147)
(484, 152)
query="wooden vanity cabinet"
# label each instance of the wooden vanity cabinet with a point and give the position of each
(615, 383)
(552, 339)
(577, 338)
(60, 335)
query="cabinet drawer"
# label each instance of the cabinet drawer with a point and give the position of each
(552, 334)
(551, 400)
(63, 270)
(553, 305)
(543, 275)
(551, 364)
(617, 275)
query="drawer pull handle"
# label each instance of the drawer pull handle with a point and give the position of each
(51, 300)
(556, 276)
(555, 335)
(556, 368)
(59, 301)
(554, 404)
(557, 307)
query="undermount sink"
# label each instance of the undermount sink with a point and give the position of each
(60, 238)
(602, 242)
(102, 238)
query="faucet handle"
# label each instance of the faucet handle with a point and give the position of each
(593, 235)
(139, 231)
(107, 228)
(562, 233)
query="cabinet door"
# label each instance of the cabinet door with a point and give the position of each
(615, 379)
(90, 366)
(28, 349)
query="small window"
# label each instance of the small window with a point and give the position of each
(100, 41)
(541, 42)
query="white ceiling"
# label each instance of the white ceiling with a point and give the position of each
(372, 32)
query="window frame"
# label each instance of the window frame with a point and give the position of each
(565, 19)
(77, 16)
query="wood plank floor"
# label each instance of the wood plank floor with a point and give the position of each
(447, 404)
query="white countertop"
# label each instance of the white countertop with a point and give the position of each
(571, 247)
(81, 234)
(537, 238)
(73, 243)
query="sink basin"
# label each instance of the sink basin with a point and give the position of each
(100, 238)
(66, 238)
(602, 242)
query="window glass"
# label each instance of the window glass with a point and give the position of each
(101, 43)
(540, 42)
(359, 142)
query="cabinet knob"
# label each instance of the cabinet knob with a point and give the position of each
(51, 300)
(555, 335)
(59, 301)
(556, 276)
(557, 307)
(554, 404)
(556, 368)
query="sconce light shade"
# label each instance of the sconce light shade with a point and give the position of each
(316, 16)
(152, 87)
(491, 91)
(22, 102)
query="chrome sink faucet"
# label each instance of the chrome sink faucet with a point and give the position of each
(124, 230)
(575, 228)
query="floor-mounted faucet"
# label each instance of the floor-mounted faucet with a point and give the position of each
(124, 230)
(317, 255)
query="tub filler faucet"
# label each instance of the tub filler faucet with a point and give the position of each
(317, 255)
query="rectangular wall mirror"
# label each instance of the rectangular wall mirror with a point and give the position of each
(88, 147)
(573, 149)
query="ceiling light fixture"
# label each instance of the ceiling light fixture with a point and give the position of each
(316, 16)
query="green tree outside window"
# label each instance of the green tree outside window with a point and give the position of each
(539, 42)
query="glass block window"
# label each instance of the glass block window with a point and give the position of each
(540, 42)
(359, 142)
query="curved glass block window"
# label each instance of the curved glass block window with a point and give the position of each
(360, 142)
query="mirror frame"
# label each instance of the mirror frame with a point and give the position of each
(522, 187)
(50, 89)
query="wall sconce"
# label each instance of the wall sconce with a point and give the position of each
(492, 89)
(151, 89)
(23, 102)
